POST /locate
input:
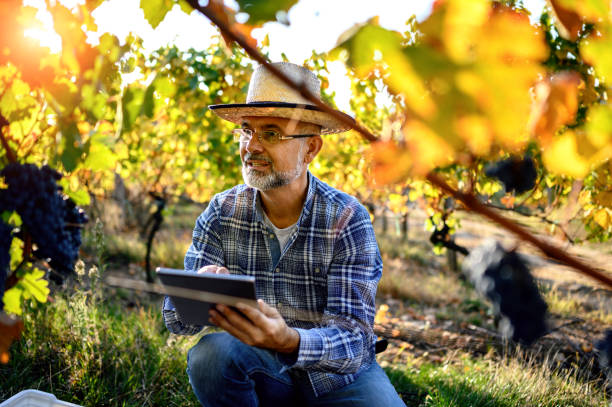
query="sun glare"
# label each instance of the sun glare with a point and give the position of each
(46, 35)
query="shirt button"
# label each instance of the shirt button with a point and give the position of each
(317, 270)
(279, 305)
(278, 270)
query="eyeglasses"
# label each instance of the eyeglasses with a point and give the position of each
(265, 137)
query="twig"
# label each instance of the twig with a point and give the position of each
(543, 218)
(553, 252)
(43, 106)
(9, 152)
(572, 322)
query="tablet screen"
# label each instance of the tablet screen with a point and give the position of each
(193, 294)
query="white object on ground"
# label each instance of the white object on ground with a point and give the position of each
(35, 398)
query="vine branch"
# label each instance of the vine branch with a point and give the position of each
(553, 252)
(469, 200)
(543, 218)
(10, 154)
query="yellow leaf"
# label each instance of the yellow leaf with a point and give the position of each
(555, 104)
(427, 149)
(602, 218)
(391, 163)
(596, 51)
(12, 300)
(599, 126)
(503, 32)
(476, 133)
(16, 252)
(462, 27)
(381, 315)
(589, 10)
(584, 198)
(397, 203)
(562, 157)
(604, 199)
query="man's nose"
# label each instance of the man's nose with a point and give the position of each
(254, 145)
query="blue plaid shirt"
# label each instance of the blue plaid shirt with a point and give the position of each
(323, 283)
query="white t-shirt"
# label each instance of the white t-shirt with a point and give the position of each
(282, 235)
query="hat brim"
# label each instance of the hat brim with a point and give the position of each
(294, 111)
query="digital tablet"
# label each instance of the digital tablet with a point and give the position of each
(193, 294)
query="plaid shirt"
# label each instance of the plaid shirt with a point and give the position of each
(324, 283)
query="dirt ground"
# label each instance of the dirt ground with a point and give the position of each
(571, 342)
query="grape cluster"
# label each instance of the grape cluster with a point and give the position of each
(5, 245)
(517, 174)
(504, 278)
(53, 221)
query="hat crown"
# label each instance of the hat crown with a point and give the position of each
(266, 87)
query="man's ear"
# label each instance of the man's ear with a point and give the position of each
(313, 146)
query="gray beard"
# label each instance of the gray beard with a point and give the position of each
(274, 179)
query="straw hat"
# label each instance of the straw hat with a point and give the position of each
(269, 96)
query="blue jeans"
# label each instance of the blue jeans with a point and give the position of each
(226, 372)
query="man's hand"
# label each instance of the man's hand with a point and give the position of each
(213, 269)
(263, 327)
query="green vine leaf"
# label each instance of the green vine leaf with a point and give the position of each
(12, 300)
(34, 285)
(155, 10)
(263, 11)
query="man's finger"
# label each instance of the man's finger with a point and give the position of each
(219, 319)
(257, 317)
(222, 270)
(267, 310)
(208, 269)
(235, 319)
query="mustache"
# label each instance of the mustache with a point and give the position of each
(258, 157)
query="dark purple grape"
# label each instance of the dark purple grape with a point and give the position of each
(517, 174)
(5, 245)
(504, 278)
(53, 221)
(604, 351)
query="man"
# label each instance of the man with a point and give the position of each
(315, 258)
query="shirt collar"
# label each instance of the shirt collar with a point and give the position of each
(306, 209)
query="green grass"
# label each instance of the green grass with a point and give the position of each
(168, 249)
(87, 347)
(569, 306)
(90, 350)
(466, 381)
